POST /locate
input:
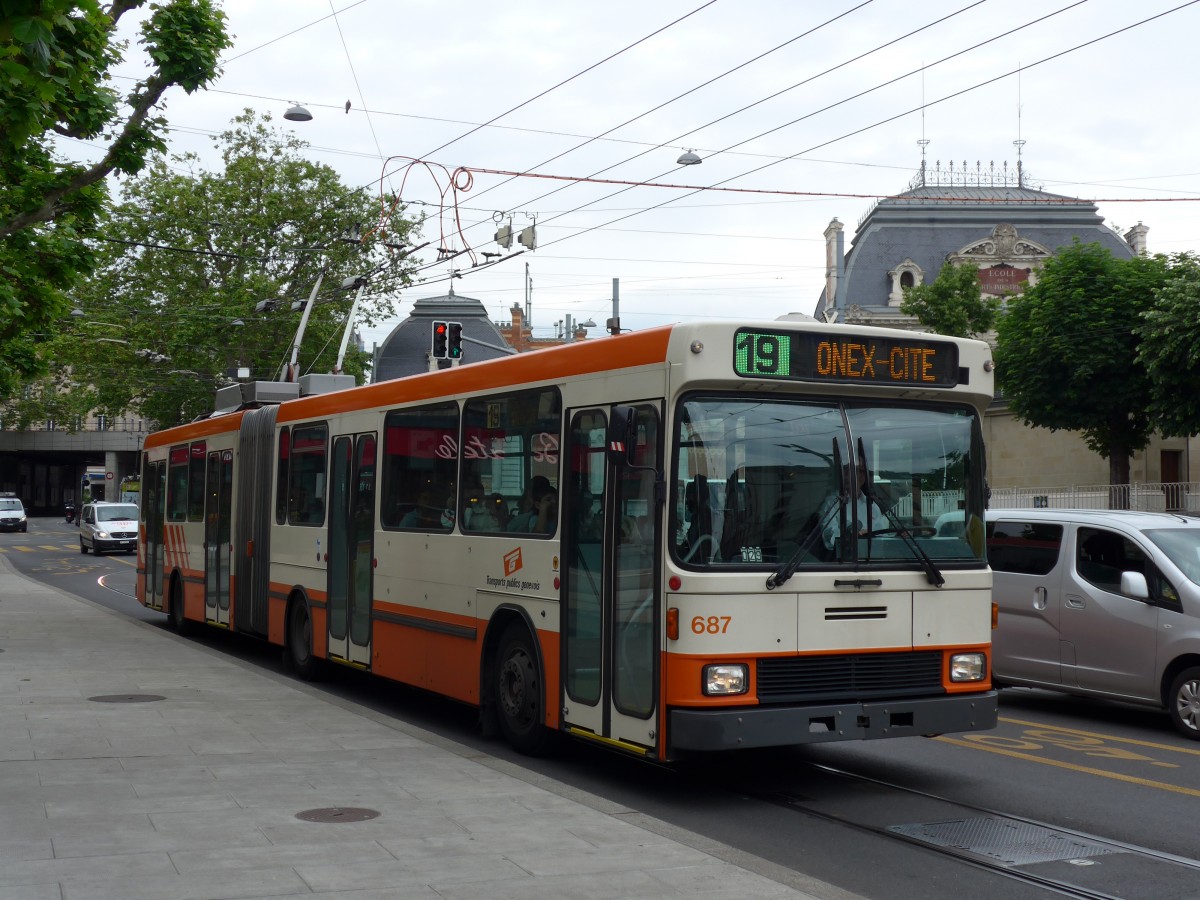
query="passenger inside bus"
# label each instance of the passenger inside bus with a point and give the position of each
(865, 510)
(590, 526)
(426, 514)
(539, 508)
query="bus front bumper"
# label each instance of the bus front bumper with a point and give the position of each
(780, 726)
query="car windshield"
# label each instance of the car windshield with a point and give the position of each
(10, 504)
(121, 513)
(812, 484)
(1182, 547)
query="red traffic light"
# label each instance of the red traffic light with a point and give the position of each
(438, 342)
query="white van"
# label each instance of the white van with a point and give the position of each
(1099, 602)
(12, 513)
(108, 526)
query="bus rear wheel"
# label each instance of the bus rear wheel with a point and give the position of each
(178, 621)
(299, 642)
(519, 692)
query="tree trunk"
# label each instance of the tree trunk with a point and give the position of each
(1118, 480)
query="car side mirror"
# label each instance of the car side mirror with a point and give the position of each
(1133, 584)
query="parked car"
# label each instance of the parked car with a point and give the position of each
(108, 526)
(1099, 603)
(12, 513)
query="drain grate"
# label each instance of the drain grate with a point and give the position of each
(1008, 841)
(127, 698)
(335, 814)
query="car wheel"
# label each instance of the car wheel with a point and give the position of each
(82, 547)
(1183, 703)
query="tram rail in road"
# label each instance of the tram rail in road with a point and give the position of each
(1067, 862)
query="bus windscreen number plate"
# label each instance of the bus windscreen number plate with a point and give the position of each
(845, 358)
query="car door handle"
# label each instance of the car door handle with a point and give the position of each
(1039, 598)
(1075, 601)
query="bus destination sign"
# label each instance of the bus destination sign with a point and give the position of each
(845, 358)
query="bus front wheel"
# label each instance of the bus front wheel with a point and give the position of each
(299, 642)
(519, 692)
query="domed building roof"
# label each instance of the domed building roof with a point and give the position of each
(406, 350)
(990, 217)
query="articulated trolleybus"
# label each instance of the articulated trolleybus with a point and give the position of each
(692, 538)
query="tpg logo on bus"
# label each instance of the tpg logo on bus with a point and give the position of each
(512, 561)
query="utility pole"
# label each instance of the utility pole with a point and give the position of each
(614, 324)
(528, 298)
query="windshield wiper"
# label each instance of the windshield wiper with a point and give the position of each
(788, 569)
(932, 573)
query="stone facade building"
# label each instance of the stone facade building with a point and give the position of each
(992, 217)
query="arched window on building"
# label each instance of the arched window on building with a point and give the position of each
(906, 275)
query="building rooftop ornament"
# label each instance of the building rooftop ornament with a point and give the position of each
(963, 175)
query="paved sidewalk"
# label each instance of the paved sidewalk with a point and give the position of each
(194, 790)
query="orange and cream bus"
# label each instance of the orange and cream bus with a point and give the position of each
(692, 538)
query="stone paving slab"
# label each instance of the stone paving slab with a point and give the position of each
(194, 796)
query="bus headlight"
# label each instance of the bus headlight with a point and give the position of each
(726, 679)
(968, 667)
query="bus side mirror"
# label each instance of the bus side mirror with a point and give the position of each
(622, 435)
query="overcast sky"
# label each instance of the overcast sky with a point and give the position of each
(1113, 121)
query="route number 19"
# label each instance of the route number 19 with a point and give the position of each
(763, 354)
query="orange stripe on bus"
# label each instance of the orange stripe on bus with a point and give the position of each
(193, 430)
(551, 364)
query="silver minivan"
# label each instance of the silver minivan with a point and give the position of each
(1099, 602)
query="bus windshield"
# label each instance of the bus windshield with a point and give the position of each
(766, 481)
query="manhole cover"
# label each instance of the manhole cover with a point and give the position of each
(127, 698)
(1008, 841)
(338, 814)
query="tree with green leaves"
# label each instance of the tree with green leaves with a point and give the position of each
(199, 271)
(1067, 354)
(1170, 349)
(952, 303)
(55, 57)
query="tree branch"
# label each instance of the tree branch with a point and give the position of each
(155, 88)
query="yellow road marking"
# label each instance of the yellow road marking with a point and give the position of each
(1104, 737)
(1087, 770)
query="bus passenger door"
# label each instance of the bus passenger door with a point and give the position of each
(610, 604)
(351, 548)
(218, 551)
(154, 481)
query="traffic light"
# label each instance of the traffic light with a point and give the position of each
(440, 335)
(455, 351)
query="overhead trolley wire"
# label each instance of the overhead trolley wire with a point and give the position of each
(578, 74)
(1023, 67)
(815, 112)
(691, 90)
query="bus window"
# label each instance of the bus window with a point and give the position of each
(511, 453)
(306, 475)
(196, 482)
(420, 462)
(761, 483)
(177, 485)
(281, 476)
